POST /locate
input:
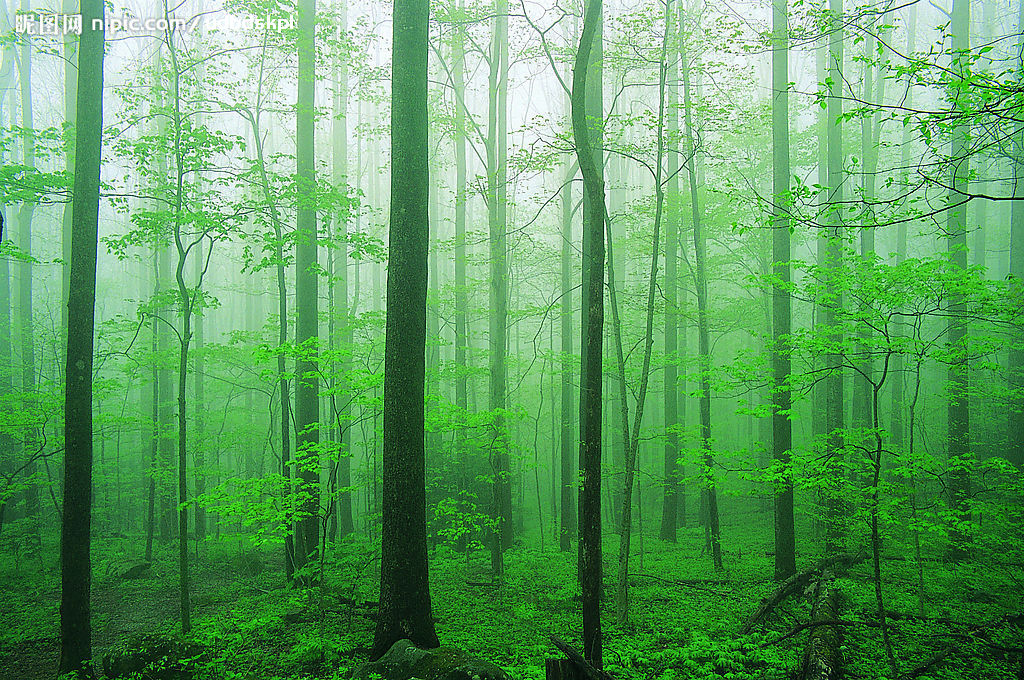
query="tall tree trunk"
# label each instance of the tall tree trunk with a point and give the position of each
(898, 407)
(25, 311)
(625, 527)
(76, 565)
(782, 429)
(70, 57)
(198, 382)
(154, 404)
(834, 404)
(567, 503)
(497, 173)
(307, 400)
(165, 384)
(958, 412)
(405, 610)
(6, 381)
(186, 307)
(670, 493)
(282, 331)
(461, 333)
(586, 103)
(703, 341)
(1015, 417)
(341, 295)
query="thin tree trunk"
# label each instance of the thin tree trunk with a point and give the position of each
(567, 502)
(307, 401)
(341, 295)
(958, 412)
(25, 311)
(186, 303)
(498, 301)
(782, 429)
(1015, 416)
(835, 531)
(69, 48)
(154, 439)
(625, 528)
(670, 492)
(199, 379)
(703, 341)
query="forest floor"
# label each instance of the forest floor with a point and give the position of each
(684, 617)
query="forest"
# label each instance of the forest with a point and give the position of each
(511, 339)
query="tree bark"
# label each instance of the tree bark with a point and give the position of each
(307, 400)
(594, 217)
(835, 532)
(498, 301)
(76, 565)
(958, 411)
(782, 429)
(405, 610)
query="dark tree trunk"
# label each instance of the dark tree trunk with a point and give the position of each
(958, 413)
(834, 405)
(594, 217)
(782, 431)
(498, 301)
(307, 401)
(405, 610)
(76, 567)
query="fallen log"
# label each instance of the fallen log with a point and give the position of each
(814, 624)
(799, 581)
(823, 658)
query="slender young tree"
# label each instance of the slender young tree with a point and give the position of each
(25, 299)
(199, 392)
(76, 565)
(670, 493)
(835, 177)
(1015, 416)
(339, 143)
(307, 400)
(69, 47)
(405, 610)
(567, 467)
(584, 118)
(782, 430)
(633, 439)
(461, 335)
(958, 412)
(703, 338)
(497, 179)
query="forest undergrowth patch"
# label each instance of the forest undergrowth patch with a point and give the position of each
(684, 617)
